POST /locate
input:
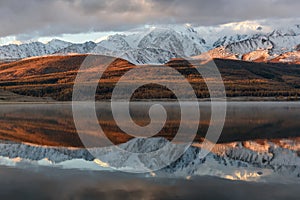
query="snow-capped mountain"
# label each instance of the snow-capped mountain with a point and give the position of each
(152, 45)
(14, 51)
(56, 44)
(277, 42)
(77, 48)
(162, 43)
(117, 42)
(183, 42)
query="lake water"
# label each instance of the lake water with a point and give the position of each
(52, 124)
(46, 183)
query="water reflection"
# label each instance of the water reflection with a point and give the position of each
(52, 124)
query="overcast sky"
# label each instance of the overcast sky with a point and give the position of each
(42, 18)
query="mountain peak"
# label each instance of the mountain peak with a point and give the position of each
(185, 28)
(55, 40)
(58, 42)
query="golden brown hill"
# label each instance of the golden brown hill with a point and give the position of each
(51, 76)
(54, 76)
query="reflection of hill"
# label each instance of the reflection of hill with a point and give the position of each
(52, 124)
(38, 124)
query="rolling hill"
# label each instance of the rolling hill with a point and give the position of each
(53, 77)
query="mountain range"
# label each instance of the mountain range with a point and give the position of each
(160, 44)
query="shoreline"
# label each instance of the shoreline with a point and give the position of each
(234, 99)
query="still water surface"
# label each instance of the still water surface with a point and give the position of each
(52, 124)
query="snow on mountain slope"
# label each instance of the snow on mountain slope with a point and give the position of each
(24, 50)
(14, 51)
(183, 41)
(226, 40)
(116, 43)
(249, 45)
(246, 161)
(280, 45)
(154, 45)
(86, 47)
(162, 43)
(260, 55)
(56, 44)
(277, 42)
(149, 56)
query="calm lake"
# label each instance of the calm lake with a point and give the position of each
(52, 124)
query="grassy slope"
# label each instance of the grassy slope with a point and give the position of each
(54, 77)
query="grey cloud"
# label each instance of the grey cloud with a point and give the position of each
(48, 18)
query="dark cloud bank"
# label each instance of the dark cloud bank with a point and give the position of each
(53, 17)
